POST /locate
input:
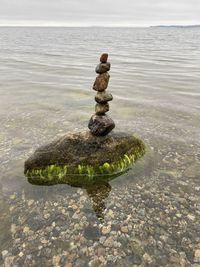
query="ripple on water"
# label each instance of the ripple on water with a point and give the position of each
(151, 214)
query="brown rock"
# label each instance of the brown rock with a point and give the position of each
(197, 256)
(103, 97)
(100, 252)
(109, 242)
(101, 125)
(175, 259)
(101, 82)
(106, 229)
(102, 67)
(104, 58)
(124, 229)
(101, 109)
(84, 149)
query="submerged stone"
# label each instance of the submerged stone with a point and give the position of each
(193, 171)
(81, 158)
(101, 125)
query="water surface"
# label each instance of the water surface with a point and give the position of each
(152, 213)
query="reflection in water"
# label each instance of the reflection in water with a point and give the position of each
(39, 99)
(97, 190)
(98, 193)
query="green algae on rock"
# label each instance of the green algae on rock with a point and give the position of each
(81, 158)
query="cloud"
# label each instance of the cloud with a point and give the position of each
(100, 12)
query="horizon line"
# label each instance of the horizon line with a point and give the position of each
(98, 26)
(88, 25)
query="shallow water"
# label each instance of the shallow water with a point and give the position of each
(151, 214)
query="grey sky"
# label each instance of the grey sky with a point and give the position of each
(99, 12)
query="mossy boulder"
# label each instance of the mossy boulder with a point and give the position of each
(78, 158)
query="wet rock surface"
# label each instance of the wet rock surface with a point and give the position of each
(102, 67)
(103, 97)
(101, 109)
(101, 125)
(101, 82)
(83, 148)
(104, 58)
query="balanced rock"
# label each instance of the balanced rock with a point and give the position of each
(102, 67)
(103, 97)
(101, 125)
(87, 157)
(101, 109)
(104, 58)
(101, 82)
(82, 153)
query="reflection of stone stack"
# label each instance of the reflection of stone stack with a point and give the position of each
(101, 124)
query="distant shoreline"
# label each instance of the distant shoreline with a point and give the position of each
(175, 26)
(65, 26)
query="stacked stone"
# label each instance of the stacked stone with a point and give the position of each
(101, 124)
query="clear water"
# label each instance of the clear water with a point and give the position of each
(46, 76)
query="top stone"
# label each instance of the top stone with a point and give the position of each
(104, 58)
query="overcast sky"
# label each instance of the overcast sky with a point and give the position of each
(99, 12)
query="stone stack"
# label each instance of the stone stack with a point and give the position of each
(101, 124)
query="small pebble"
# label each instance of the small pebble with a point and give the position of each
(109, 242)
(124, 229)
(21, 254)
(197, 256)
(106, 229)
(4, 253)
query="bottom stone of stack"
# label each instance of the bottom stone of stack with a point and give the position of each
(101, 125)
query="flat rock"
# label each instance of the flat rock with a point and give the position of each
(193, 171)
(109, 242)
(101, 82)
(101, 109)
(82, 153)
(102, 67)
(101, 125)
(104, 58)
(103, 97)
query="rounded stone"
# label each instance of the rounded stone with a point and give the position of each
(104, 58)
(101, 82)
(197, 256)
(101, 109)
(124, 229)
(92, 232)
(101, 125)
(109, 242)
(102, 67)
(103, 97)
(106, 229)
(4, 254)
